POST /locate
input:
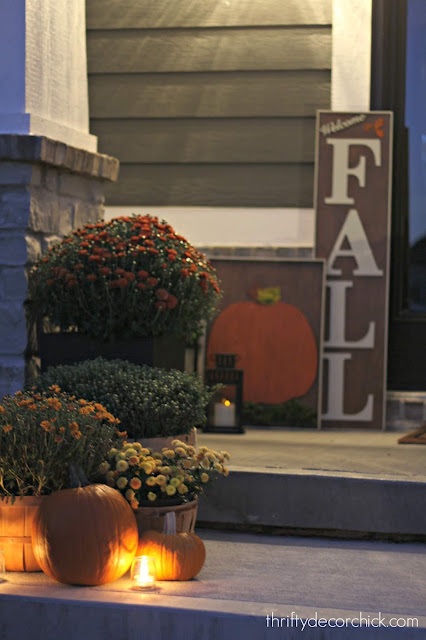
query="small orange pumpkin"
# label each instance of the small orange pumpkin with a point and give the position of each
(178, 556)
(85, 536)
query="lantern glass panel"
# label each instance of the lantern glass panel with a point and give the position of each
(225, 408)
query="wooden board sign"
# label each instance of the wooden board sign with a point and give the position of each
(352, 202)
(271, 318)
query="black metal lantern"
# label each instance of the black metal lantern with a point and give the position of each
(224, 412)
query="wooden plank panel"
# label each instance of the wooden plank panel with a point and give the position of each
(208, 50)
(265, 378)
(355, 351)
(245, 94)
(213, 185)
(137, 14)
(248, 140)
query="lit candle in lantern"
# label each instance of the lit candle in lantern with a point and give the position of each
(143, 573)
(224, 414)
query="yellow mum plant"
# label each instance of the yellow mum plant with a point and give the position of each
(147, 478)
(42, 434)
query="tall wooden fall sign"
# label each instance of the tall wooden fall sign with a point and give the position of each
(352, 200)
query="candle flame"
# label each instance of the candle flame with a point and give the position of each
(226, 403)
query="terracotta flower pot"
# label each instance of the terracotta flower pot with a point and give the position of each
(152, 518)
(15, 533)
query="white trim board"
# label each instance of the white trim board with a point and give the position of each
(233, 227)
(351, 55)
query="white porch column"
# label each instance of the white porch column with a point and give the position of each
(52, 179)
(43, 70)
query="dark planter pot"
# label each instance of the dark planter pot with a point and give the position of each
(167, 352)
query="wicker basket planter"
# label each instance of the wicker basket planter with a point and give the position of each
(15, 533)
(152, 518)
(156, 444)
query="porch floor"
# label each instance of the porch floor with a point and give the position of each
(375, 453)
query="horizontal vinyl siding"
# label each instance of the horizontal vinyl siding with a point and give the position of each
(167, 50)
(146, 14)
(226, 140)
(209, 95)
(207, 103)
(231, 185)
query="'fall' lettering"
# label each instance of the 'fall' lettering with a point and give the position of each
(336, 391)
(360, 250)
(342, 170)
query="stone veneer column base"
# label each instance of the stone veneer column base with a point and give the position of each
(47, 188)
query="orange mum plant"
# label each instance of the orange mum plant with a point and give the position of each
(42, 434)
(130, 277)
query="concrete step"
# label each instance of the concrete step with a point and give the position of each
(318, 503)
(252, 587)
(351, 483)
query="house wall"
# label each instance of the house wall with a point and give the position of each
(209, 103)
(210, 106)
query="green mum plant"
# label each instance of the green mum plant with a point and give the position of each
(149, 402)
(130, 277)
(149, 478)
(43, 434)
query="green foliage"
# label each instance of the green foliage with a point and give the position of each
(149, 402)
(129, 277)
(42, 435)
(289, 414)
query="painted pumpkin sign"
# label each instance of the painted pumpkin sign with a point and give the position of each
(275, 344)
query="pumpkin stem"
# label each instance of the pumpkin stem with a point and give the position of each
(268, 296)
(78, 477)
(170, 523)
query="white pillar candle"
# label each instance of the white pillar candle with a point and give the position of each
(224, 414)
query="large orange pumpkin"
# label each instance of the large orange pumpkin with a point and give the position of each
(178, 556)
(85, 536)
(276, 347)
